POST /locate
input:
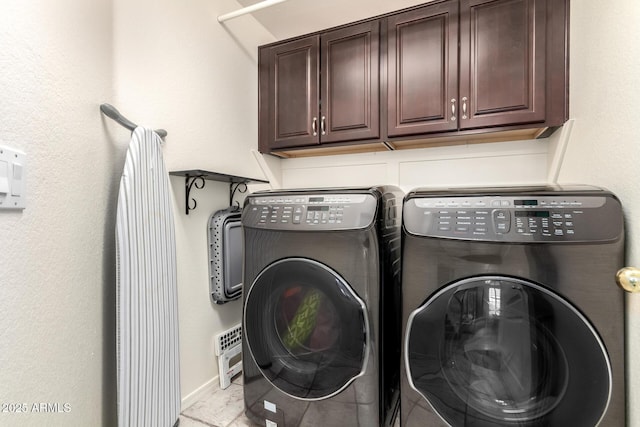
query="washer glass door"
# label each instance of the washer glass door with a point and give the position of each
(306, 329)
(498, 350)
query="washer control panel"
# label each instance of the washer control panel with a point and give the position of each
(310, 211)
(516, 219)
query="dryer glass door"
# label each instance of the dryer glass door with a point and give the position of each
(306, 328)
(498, 350)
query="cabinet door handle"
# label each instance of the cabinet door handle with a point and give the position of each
(453, 109)
(323, 126)
(314, 126)
(464, 107)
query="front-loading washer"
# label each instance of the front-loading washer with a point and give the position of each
(511, 314)
(321, 306)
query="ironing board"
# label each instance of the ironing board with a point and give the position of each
(146, 296)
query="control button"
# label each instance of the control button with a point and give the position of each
(502, 227)
(501, 215)
(495, 203)
(569, 223)
(501, 221)
(570, 231)
(444, 228)
(462, 229)
(558, 232)
(296, 219)
(480, 229)
(504, 203)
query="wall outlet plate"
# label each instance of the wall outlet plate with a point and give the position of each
(13, 164)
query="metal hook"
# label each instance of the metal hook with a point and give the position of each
(111, 112)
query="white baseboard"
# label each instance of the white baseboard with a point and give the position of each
(210, 386)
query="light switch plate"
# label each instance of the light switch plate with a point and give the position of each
(13, 167)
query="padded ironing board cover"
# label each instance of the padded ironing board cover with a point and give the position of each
(146, 296)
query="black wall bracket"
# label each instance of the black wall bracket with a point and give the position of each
(197, 178)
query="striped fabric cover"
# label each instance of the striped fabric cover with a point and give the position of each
(147, 312)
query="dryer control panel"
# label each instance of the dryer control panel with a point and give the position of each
(511, 218)
(310, 211)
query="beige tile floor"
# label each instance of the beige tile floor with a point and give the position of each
(221, 408)
(218, 408)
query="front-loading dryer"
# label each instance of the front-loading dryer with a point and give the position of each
(321, 306)
(511, 314)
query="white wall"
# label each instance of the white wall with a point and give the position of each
(56, 266)
(604, 148)
(162, 64)
(177, 68)
(505, 163)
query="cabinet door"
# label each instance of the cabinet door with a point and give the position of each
(350, 83)
(292, 102)
(502, 62)
(423, 70)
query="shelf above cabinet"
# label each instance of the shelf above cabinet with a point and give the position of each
(197, 177)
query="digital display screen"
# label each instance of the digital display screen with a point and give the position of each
(316, 199)
(525, 202)
(534, 214)
(318, 208)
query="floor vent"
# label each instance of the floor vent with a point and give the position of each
(228, 347)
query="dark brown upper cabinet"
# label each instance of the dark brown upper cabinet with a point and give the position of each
(471, 64)
(443, 72)
(321, 89)
(502, 62)
(422, 69)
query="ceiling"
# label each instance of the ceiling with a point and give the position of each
(297, 17)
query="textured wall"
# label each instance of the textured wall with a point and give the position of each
(56, 269)
(163, 64)
(604, 146)
(177, 68)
